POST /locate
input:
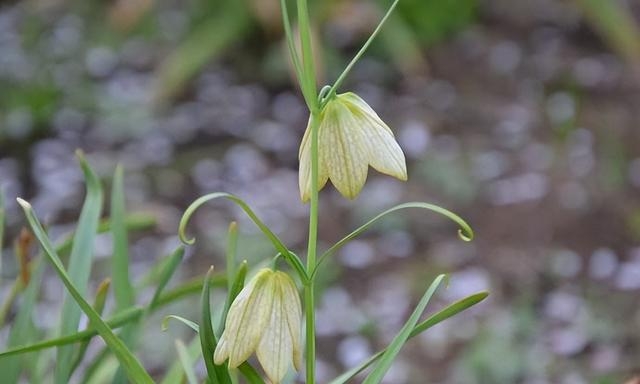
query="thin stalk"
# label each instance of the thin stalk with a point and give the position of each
(361, 52)
(293, 52)
(309, 289)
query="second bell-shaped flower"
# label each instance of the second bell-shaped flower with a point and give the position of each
(351, 137)
(264, 318)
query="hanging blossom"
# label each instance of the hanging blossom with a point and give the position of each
(351, 136)
(265, 317)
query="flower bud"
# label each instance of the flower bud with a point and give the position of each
(351, 136)
(264, 318)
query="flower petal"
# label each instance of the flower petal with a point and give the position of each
(275, 348)
(385, 155)
(341, 150)
(293, 316)
(247, 318)
(304, 172)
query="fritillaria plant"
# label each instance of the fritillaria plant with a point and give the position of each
(344, 136)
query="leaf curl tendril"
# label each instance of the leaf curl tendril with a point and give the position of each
(465, 233)
(291, 258)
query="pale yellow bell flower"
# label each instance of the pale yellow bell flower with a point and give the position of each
(265, 317)
(351, 137)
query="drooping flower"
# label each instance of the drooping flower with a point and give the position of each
(351, 137)
(265, 317)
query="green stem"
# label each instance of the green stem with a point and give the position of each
(309, 292)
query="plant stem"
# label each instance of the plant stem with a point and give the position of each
(309, 293)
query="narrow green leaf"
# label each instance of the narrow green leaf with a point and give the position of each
(449, 311)
(98, 305)
(465, 232)
(122, 289)
(615, 22)
(215, 373)
(187, 322)
(20, 333)
(185, 360)
(134, 369)
(309, 81)
(236, 287)
(361, 52)
(277, 244)
(125, 317)
(175, 373)
(79, 267)
(165, 275)
(116, 321)
(208, 340)
(401, 338)
(2, 220)
(250, 373)
(434, 319)
(231, 252)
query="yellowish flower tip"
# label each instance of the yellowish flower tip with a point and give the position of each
(351, 137)
(265, 318)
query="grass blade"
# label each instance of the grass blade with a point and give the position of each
(79, 267)
(130, 315)
(175, 373)
(2, 220)
(167, 272)
(401, 338)
(185, 360)
(191, 324)
(134, 369)
(236, 287)
(122, 289)
(20, 333)
(98, 305)
(216, 373)
(434, 319)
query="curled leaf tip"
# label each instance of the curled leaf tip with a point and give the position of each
(465, 234)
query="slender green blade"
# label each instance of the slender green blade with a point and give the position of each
(465, 232)
(401, 338)
(167, 272)
(215, 373)
(191, 324)
(134, 369)
(236, 287)
(122, 289)
(187, 363)
(434, 319)
(115, 322)
(21, 333)
(79, 267)
(175, 373)
(231, 252)
(98, 305)
(2, 219)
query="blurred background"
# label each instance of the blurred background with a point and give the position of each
(520, 115)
